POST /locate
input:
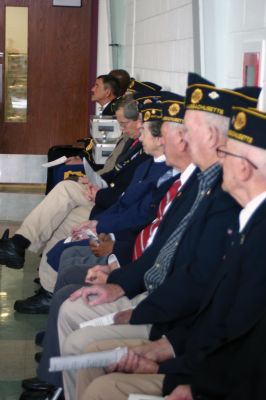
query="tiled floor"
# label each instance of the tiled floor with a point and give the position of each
(17, 331)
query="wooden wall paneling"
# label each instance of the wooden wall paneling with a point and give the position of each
(58, 79)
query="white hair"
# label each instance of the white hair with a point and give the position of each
(254, 154)
(174, 125)
(220, 122)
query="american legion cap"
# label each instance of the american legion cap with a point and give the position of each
(137, 86)
(151, 111)
(248, 126)
(145, 96)
(203, 95)
(173, 107)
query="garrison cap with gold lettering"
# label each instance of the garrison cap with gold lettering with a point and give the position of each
(203, 95)
(248, 125)
(146, 97)
(151, 111)
(173, 107)
(137, 86)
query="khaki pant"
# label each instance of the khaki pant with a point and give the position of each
(74, 340)
(52, 220)
(93, 383)
(118, 386)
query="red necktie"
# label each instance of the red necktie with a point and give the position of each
(134, 143)
(143, 237)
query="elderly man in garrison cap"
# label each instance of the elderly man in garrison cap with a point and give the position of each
(225, 346)
(176, 299)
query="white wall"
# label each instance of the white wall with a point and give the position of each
(230, 28)
(159, 41)
(156, 40)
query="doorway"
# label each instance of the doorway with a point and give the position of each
(44, 97)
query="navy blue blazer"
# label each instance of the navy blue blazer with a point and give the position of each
(135, 209)
(132, 208)
(232, 307)
(120, 177)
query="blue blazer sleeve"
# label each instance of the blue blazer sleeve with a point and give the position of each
(133, 207)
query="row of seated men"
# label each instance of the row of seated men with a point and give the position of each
(179, 259)
(106, 90)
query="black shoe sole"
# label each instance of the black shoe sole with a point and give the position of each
(15, 264)
(32, 311)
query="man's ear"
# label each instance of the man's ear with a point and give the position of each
(107, 92)
(213, 137)
(245, 170)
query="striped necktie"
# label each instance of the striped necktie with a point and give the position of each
(143, 237)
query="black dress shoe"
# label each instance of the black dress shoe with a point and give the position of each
(39, 338)
(36, 395)
(36, 384)
(11, 255)
(5, 234)
(37, 281)
(37, 304)
(40, 395)
(38, 356)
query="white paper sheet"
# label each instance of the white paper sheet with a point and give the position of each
(90, 360)
(106, 320)
(93, 177)
(101, 321)
(58, 161)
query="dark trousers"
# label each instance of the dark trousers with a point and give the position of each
(51, 342)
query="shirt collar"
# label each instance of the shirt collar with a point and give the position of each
(187, 173)
(159, 159)
(249, 210)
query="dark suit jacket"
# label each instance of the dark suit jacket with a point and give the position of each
(130, 278)
(119, 178)
(193, 265)
(109, 109)
(221, 339)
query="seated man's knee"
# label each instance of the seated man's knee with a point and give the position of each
(103, 388)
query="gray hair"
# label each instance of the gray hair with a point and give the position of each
(155, 128)
(129, 105)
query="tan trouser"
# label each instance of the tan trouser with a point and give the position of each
(52, 220)
(73, 340)
(135, 384)
(47, 274)
(93, 383)
(119, 386)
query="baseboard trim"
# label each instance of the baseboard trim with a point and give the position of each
(38, 188)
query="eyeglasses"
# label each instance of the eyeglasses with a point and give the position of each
(124, 124)
(221, 153)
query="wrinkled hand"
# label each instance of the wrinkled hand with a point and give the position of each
(134, 363)
(91, 192)
(103, 247)
(182, 392)
(73, 160)
(123, 317)
(79, 231)
(158, 350)
(98, 274)
(98, 294)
